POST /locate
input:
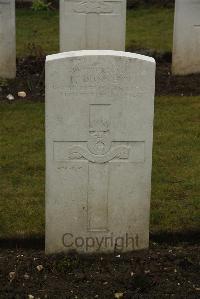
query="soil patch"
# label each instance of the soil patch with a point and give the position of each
(167, 84)
(31, 79)
(162, 271)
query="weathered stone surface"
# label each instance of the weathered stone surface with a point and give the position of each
(99, 132)
(92, 25)
(7, 39)
(186, 49)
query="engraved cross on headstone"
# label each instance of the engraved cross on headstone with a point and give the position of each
(93, 10)
(99, 150)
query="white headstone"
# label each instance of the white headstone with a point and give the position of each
(186, 49)
(7, 39)
(92, 25)
(99, 132)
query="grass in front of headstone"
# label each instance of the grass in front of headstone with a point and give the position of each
(175, 181)
(147, 28)
(175, 200)
(22, 169)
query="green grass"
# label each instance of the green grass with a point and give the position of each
(148, 27)
(175, 201)
(39, 30)
(22, 169)
(175, 180)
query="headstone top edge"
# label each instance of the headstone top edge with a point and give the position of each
(114, 53)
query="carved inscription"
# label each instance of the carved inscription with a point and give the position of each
(98, 78)
(93, 12)
(99, 141)
(95, 75)
(99, 151)
(93, 6)
(119, 152)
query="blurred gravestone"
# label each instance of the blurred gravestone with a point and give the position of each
(99, 133)
(186, 49)
(92, 24)
(7, 39)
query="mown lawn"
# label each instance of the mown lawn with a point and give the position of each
(150, 28)
(175, 181)
(147, 27)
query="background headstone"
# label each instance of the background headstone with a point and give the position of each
(99, 132)
(186, 48)
(92, 24)
(7, 39)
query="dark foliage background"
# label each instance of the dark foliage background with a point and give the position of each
(135, 3)
(130, 3)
